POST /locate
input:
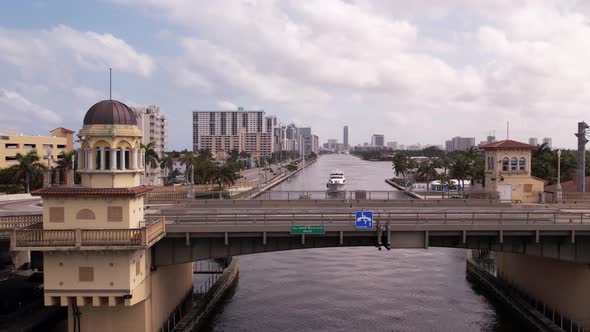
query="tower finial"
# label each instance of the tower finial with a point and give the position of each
(110, 84)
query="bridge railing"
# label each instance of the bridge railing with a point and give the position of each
(15, 222)
(47, 239)
(342, 194)
(386, 217)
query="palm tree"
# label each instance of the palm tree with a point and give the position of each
(66, 162)
(28, 167)
(224, 175)
(460, 169)
(427, 170)
(151, 156)
(400, 164)
(166, 164)
(189, 160)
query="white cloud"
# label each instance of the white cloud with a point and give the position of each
(61, 50)
(226, 105)
(17, 111)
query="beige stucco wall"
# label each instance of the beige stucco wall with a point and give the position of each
(113, 270)
(39, 142)
(133, 212)
(167, 285)
(110, 179)
(563, 285)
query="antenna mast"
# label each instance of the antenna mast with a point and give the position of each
(507, 129)
(110, 84)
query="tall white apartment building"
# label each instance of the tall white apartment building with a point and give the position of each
(548, 141)
(153, 125)
(215, 123)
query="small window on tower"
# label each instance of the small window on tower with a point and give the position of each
(56, 214)
(115, 213)
(86, 274)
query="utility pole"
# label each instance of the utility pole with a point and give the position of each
(581, 134)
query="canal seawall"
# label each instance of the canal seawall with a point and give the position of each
(203, 306)
(505, 295)
(276, 181)
(402, 189)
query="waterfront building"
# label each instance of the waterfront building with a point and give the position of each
(97, 259)
(458, 143)
(548, 141)
(378, 140)
(244, 130)
(12, 142)
(225, 123)
(345, 137)
(508, 171)
(315, 144)
(153, 126)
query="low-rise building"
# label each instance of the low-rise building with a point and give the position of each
(508, 171)
(12, 142)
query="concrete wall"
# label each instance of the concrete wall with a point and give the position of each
(167, 287)
(563, 285)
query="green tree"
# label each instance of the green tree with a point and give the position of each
(427, 171)
(460, 170)
(28, 168)
(166, 164)
(66, 161)
(151, 157)
(189, 161)
(224, 175)
(400, 164)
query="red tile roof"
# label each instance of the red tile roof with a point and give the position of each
(84, 191)
(506, 144)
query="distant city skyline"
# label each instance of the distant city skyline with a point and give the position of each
(420, 69)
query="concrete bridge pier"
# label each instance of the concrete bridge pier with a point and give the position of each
(561, 285)
(166, 289)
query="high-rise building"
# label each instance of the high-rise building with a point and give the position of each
(378, 140)
(345, 138)
(458, 143)
(548, 141)
(153, 126)
(315, 144)
(223, 131)
(392, 145)
(533, 141)
(213, 123)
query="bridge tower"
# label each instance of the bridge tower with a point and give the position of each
(96, 239)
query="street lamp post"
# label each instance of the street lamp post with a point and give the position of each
(559, 175)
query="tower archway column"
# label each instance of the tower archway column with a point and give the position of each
(102, 156)
(80, 159)
(122, 158)
(134, 159)
(113, 159)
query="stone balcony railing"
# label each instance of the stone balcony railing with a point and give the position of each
(88, 239)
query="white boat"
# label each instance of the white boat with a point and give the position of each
(336, 180)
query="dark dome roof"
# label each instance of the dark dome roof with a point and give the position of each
(110, 112)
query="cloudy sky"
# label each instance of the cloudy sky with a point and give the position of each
(416, 71)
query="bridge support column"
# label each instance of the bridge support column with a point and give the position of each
(164, 290)
(562, 285)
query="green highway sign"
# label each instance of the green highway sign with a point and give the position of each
(319, 229)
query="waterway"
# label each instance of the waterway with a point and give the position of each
(356, 289)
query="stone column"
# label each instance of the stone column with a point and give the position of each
(89, 159)
(133, 159)
(113, 159)
(102, 161)
(122, 159)
(80, 153)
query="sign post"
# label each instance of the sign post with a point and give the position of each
(364, 219)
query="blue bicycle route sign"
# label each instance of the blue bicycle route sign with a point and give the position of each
(364, 219)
